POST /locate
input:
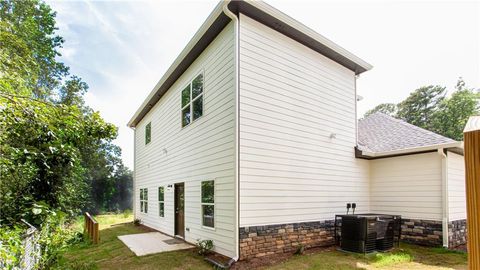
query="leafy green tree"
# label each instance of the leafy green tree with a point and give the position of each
(386, 108)
(71, 93)
(420, 106)
(453, 112)
(53, 148)
(30, 24)
(56, 153)
(41, 155)
(427, 107)
(122, 197)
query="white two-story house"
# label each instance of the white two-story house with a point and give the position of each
(251, 139)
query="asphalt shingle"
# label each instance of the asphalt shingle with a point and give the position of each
(381, 133)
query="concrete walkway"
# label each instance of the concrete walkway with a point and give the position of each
(153, 242)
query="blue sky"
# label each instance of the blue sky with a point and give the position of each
(121, 48)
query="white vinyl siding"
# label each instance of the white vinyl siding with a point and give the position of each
(456, 187)
(291, 100)
(410, 186)
(203, 150)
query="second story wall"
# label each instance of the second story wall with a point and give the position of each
(297, 132)
(203, 150)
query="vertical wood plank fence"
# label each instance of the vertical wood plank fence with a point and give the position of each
(91, 228)
(472, 185)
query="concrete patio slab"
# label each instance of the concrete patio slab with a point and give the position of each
(153, 242)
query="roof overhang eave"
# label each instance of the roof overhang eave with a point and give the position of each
(454, 145)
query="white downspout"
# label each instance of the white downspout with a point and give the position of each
(237, 127)
(444, 197)
(134, 178)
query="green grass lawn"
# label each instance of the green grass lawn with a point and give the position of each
(111, 253)
(405, 257)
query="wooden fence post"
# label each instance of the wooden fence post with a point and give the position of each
(92, 228)
(472, 186)
(96, 236)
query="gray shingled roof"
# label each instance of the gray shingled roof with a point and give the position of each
(381, 133)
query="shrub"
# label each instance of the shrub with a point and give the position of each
(137, 222)
(54, 238)
(300, 250)
(204, 246)
(11, 247)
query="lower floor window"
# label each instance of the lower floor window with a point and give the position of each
(208, 215)
(161, 202)
(208, 204)
(144, 200)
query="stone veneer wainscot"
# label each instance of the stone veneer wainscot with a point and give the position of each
(422, 232)
(457, 233)
(259, 241)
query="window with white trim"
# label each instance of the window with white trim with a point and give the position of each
(148, 133)
(208, 203)
(192, 101)
(161, 201)
(144, 200)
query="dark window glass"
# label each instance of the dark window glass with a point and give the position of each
(192, 101)
(161, 209)
(161, 194)
(148, 133)
(208, 192)
(197, 108)
(197, 86)
(186, 96)
(144, 200)
(208, 215)
(186, 116)
(161, 198)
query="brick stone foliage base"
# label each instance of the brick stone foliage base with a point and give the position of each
(259, 241)
(457, 233)
(422, 232)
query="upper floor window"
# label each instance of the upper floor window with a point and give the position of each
(161, 202)
(148, 133)
(144, 200)
(208, 203)
(192, 101)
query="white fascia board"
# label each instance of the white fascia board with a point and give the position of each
(413, 149)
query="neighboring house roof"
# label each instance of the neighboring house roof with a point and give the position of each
(263, 13)
(381, 135)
